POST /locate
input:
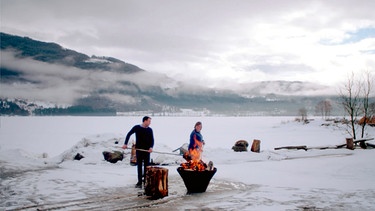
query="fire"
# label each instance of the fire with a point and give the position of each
(193, 157)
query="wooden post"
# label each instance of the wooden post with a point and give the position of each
(293, 147)
(156, 182)
(363, 144)
(349, 143)
(256, 146)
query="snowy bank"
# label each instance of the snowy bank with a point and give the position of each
(38, 170)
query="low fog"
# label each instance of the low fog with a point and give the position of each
(61, 84)
(64, 85)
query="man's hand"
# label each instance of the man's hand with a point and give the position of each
(124, 146)
(150, 150)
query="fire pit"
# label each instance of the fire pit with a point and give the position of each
(196, 181)
(196, 173)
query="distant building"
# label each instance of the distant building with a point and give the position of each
(369, 120)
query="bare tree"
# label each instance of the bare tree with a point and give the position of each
(324, 107)
(350, 99)
(372, 109)
(319, 108)
(303, 113)
(366, 88)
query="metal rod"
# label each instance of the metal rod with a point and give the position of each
(166, 153)
(144, 150)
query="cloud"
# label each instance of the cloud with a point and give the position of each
(209, 42)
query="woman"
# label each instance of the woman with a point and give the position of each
(196, 138)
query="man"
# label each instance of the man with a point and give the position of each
(144, 144)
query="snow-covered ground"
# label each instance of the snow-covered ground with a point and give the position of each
(38, 170)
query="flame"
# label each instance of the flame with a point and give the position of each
(194, 161)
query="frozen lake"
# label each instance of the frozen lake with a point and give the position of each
(44, 176)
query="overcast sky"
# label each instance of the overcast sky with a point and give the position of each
(210, 42)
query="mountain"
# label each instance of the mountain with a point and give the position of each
(37, 74)
(53, 53)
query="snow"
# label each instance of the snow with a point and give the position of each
(38, 170)
(98, 60)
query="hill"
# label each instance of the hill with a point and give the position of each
(35, 74)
